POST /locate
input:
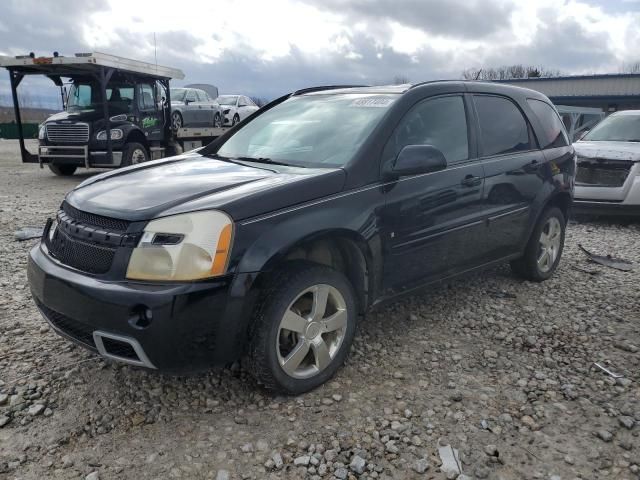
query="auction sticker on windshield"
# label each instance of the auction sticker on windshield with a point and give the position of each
(372, 102)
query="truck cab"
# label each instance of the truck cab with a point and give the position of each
(137, 116)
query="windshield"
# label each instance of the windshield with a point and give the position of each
(616, 128)
(86, 96)
(311, 130)
(227, 100)
(177, 94)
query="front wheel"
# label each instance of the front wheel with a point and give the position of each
(236, 119)
(63, 170)
(303, 328)
(544, 249)
(133, 154)
(217, 121)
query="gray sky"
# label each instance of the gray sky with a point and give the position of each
(269, 47)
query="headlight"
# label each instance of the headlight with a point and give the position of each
(225, 111)
(116, 134)
(42, 132)
(190, 246)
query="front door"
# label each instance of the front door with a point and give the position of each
(151, 119)
(432, 223)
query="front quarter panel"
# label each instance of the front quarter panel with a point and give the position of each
(262, 242)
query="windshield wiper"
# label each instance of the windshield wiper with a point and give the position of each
(262, 160)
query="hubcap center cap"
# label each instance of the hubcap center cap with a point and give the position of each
(313, 330)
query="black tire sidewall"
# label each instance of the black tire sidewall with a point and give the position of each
(127, 153)
(531, 256)
(236, 119)
(216, 124)
(63, 170)
(270, 315)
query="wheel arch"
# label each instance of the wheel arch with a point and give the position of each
(136, 135)
(341, 249)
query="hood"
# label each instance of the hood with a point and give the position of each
(609, 150)
(194, 182)
(88, 115)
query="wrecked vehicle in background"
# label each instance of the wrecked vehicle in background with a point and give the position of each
(608, 175)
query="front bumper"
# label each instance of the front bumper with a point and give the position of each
(601, 200)
(186, 326)
(587, 207)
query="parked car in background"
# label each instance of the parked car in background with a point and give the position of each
(271, 242)
(192, 107)
(236, 108)
(608, 177)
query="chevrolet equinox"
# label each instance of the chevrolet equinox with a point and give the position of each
(272, 241)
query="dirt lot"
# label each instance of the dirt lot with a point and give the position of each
(500, 369)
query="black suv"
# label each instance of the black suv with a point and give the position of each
(271, 242)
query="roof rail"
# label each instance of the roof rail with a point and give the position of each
(325, 87)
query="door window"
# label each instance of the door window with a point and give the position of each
(503, 129)
(440, 122)
(147, 94)
(202, 97)
(191, 96)
(554, 134)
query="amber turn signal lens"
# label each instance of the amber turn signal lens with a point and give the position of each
(219, 265)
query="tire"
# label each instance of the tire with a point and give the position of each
(176, 121)
(236, 119)
(134, 153)
(63, 170)
(217, 121)
(535, 264)
(272, 345)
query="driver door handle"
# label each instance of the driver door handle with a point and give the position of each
(471, 181)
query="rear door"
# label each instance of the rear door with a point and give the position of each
(513, 166)
(432, 223)
(206, 109)
(191, 116)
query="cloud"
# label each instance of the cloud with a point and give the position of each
(457, 18)
(268, 48)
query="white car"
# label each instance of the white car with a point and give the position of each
(236, 108)
(608, 176)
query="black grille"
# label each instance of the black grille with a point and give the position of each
(95, 220)
(79, 331)
(119, 349)
(84, 256)
(609, 173)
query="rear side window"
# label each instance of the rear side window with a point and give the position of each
(440, 122)
(503, 129)
(553, 132)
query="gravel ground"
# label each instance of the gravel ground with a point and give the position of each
(499, 369)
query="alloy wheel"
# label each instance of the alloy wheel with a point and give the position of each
(176, 121)
(311, 331)
(549, 244)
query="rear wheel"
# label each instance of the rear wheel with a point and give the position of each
(176, 121)
(544, 249)
(134, 153)
(63, 170)
(303, 328)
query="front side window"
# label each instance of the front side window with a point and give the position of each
(616, 128)
(178, 94)
(191, 96)
(503, 129)
(145, 100)
(439, 122)
(310, 130)
(553, 132)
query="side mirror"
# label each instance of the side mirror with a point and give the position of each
(416, 159)
(187, 101)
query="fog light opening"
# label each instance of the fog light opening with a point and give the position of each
(141, 317)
